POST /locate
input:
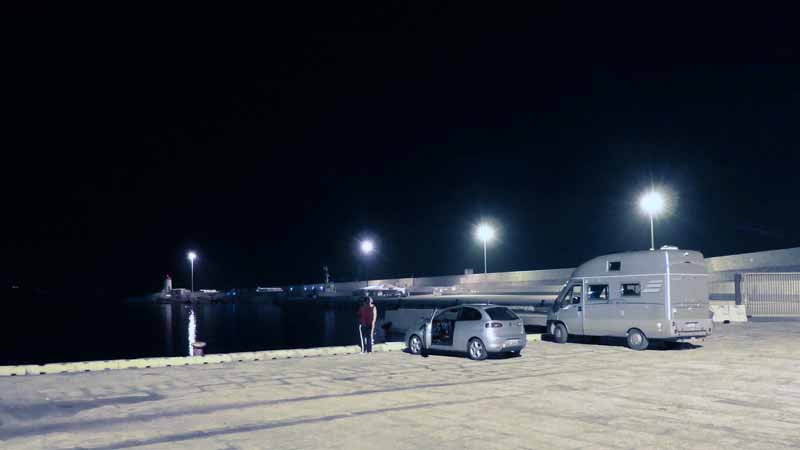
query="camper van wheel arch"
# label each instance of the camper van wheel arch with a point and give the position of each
(636, 339)
(560, 334)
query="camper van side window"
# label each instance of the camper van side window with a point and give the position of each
(614, 266)
(598, 292)
(631, 289)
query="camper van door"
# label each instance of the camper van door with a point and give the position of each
(571, 312)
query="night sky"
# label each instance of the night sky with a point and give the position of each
(270, 141)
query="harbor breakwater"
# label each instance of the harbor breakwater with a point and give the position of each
(538, 285)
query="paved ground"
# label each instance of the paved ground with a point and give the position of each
(740, 389)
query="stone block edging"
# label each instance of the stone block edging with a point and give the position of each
(144, 363)
(148, 363)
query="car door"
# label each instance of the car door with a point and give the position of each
(426, 342)
(469, 324)
(571, 312)
(443, 328)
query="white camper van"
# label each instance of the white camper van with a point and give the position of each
(643, 296)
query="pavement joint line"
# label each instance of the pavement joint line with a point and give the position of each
(203, 434)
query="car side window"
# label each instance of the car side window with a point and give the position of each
(598, 293)
(448, 314)
(469, 314)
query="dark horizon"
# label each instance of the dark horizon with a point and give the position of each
(270, 150)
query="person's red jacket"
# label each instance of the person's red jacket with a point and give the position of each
(365, 315)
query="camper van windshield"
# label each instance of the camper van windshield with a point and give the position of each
(572, 296)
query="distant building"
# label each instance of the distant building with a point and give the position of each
(381, 290)
(274, 290)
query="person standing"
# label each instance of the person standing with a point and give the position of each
(367, 315)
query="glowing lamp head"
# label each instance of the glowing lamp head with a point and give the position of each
(652, 203)
(367, 247)
(484, 232)
(192, 256)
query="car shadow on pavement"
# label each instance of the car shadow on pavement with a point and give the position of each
(463, 355)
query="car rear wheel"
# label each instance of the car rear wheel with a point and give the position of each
(415, 345)
(637, 340)
(476, 350)
(560, 333)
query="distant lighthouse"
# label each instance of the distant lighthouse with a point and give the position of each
(168, 284)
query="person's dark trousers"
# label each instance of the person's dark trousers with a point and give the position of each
(365, 331)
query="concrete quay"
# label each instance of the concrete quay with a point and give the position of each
(739, 389)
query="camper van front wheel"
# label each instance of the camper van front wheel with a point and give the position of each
(559, 333)
(637, 340)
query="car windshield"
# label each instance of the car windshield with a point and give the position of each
(500, 313)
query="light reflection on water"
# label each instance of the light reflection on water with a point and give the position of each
(330, 325)
(80, 331)
(254, 327)
(192, 330)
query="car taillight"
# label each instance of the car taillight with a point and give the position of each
(493, 325)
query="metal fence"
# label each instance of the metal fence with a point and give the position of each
(771, 294)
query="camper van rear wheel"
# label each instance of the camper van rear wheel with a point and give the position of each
(637, 340)
(560, 333)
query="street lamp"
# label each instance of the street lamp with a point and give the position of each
(367, 247)
(192, 256)
(484, 232)
(652, 203)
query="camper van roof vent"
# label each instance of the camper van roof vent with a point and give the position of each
(668, 247)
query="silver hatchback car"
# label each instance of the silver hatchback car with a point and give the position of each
(478, 330)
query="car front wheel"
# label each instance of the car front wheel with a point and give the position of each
(415, 345)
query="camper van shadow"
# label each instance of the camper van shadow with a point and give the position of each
(621, 342)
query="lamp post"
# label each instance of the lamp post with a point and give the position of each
(652, 203)
(192, 256)
(367, 246)
(485, 233)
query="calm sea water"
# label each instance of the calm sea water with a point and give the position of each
(39, 332)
